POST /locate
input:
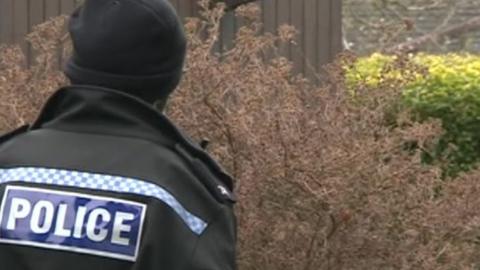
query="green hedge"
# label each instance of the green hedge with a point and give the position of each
(449, 90)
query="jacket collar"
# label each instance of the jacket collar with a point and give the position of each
(98, 110)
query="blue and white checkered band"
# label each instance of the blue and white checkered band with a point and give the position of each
(102, 182)
(73, 222)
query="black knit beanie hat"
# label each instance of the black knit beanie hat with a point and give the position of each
(135, 46)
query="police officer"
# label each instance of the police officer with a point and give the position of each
(102, 180)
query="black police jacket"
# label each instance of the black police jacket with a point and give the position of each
(103, 181)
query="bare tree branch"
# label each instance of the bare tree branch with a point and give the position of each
(414, 44)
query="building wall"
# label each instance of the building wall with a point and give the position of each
(319, 23)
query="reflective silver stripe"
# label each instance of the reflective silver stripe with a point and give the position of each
(102, 182)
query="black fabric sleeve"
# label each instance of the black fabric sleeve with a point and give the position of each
(216, 248)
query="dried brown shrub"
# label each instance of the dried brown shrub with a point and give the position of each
(23, 89)
(323, 182)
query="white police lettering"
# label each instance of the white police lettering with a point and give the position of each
(60, 229)
(71, 221)
(119, 227)
(98, 215)
(79, 220)
(41, 209)
(20, 209)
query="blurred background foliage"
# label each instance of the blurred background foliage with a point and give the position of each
(438, 26)
(444, 87)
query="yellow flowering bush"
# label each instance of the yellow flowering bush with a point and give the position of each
(445, 87)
